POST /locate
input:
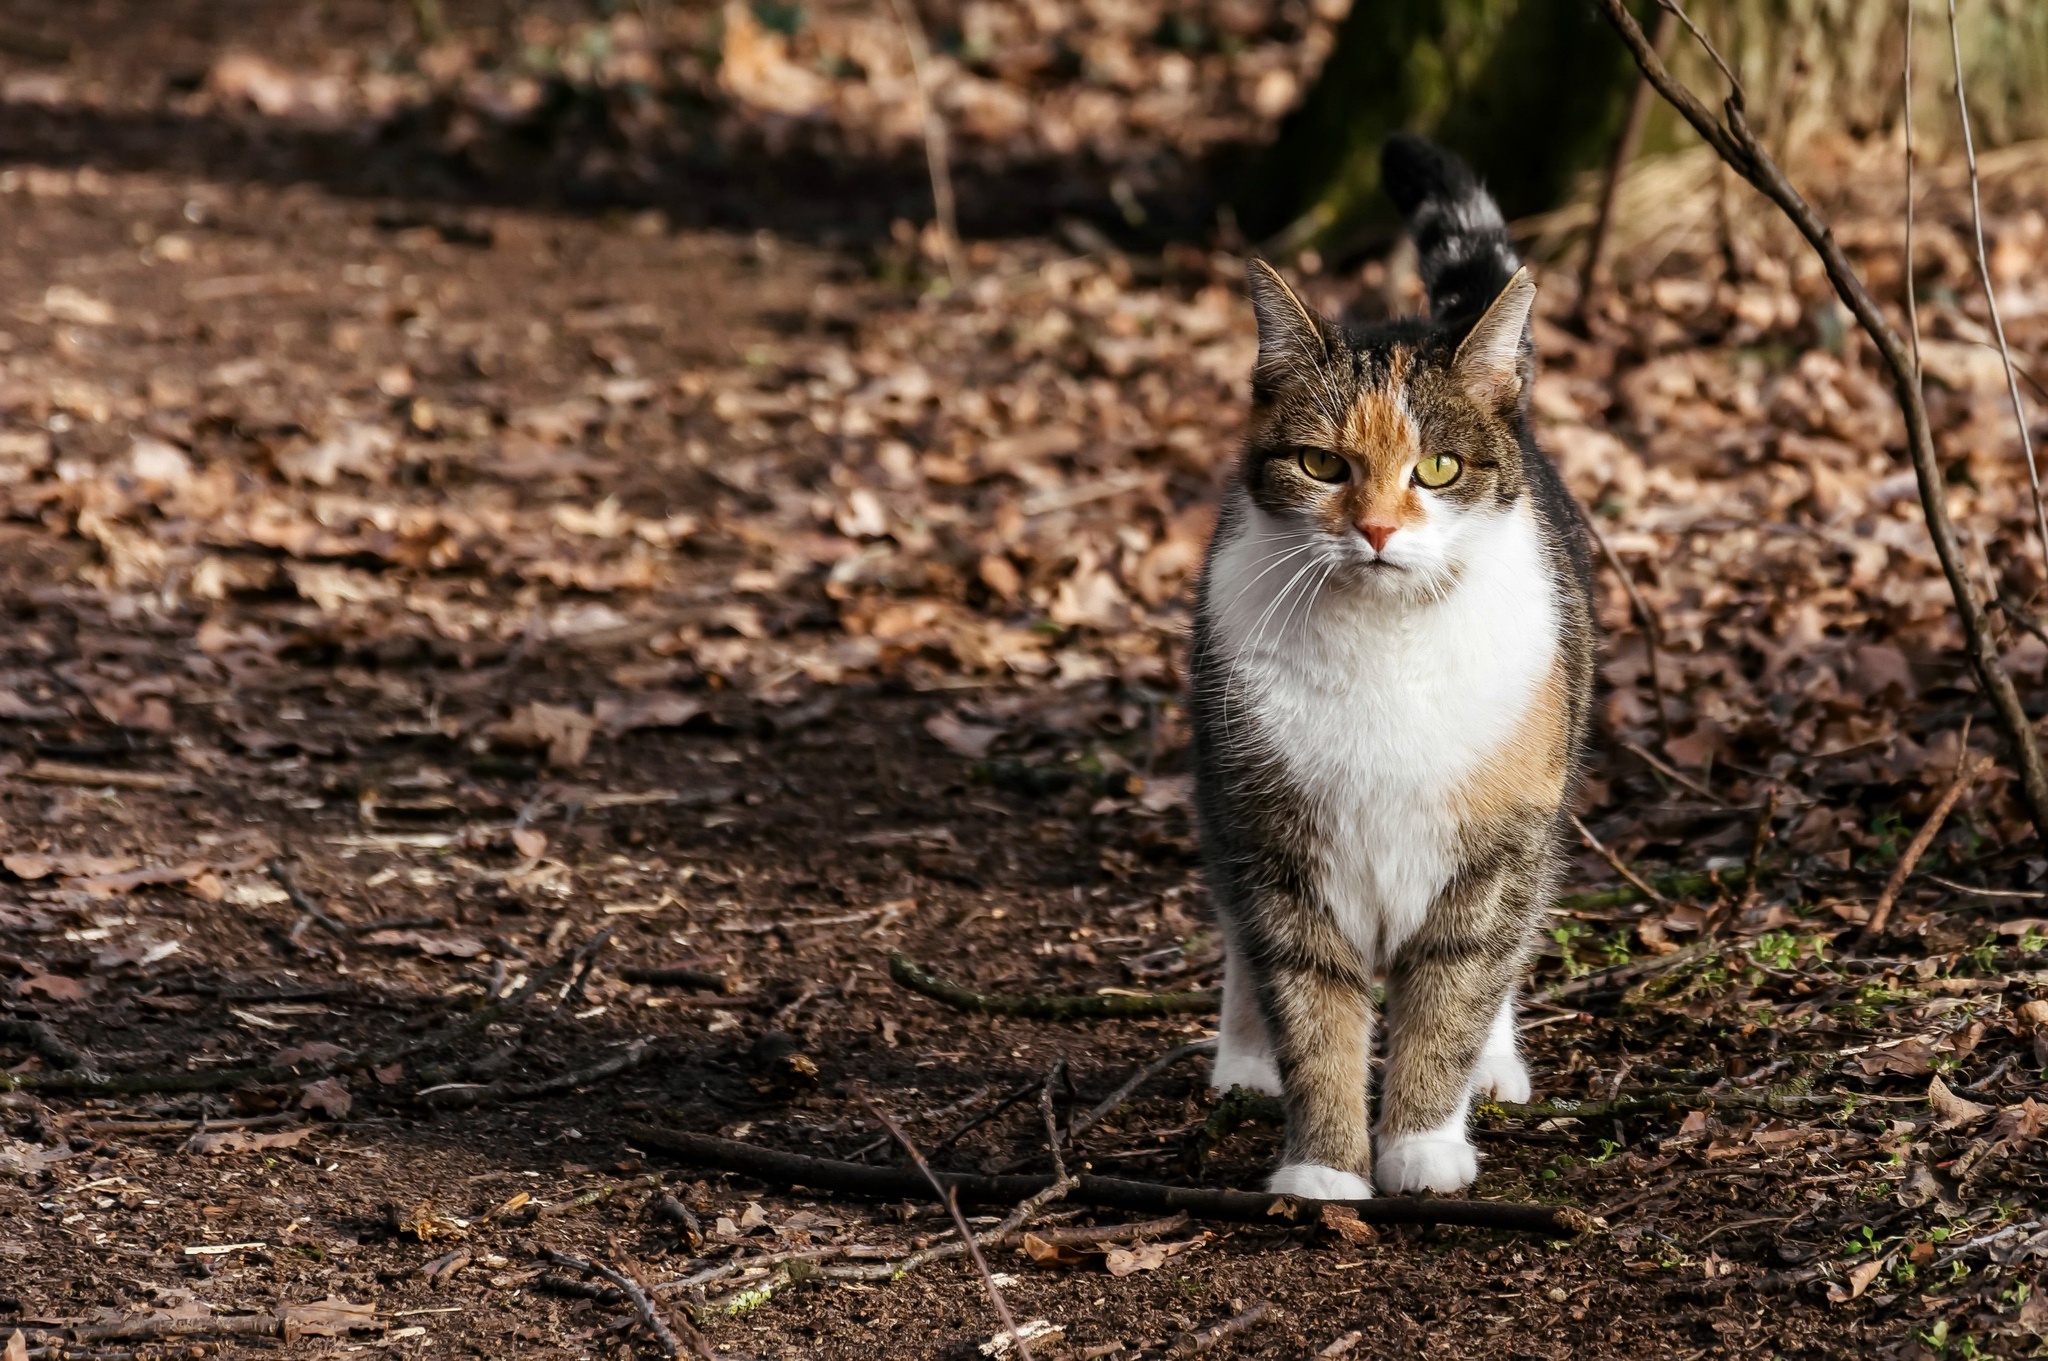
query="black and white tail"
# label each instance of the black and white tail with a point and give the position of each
(1460, 240)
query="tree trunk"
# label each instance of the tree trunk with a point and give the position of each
(1529, 91)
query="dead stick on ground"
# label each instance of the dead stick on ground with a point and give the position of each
(466, 1096)
(1188, 1344)
(1736, 143)
(1653, 633)
(671, 1345)
(908, 973)
(1881, 914)
(1672, 773)
(1116, 1193)
(2012, 382)
(951, 1200)
(935, 154)
(283, 876)
(1620, 866)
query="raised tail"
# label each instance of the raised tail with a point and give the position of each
(1460, 239)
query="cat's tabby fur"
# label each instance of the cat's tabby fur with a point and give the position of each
(1391, 685)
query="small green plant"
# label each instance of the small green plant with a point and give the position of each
(1608, 1148)
(1568, 935)
(1775, 949)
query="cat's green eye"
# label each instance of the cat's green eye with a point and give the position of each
(1439, 470)
(1324, 466)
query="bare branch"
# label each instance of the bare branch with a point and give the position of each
(2012, 382)
(935, 153)
(1737, 144)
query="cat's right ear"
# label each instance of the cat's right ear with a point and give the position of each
(1291, 337)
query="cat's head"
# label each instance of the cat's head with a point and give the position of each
(1395, 450)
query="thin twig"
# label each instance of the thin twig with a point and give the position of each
(1906, 97)
(1672, 773)
(1881, 914)
(1736, 143)
(1052, 1124)
(2012, 382)
(908, 973)
(701, 979)
(1653, 634)
(670, 1344)
(283, 876)
(1593, 278)
(935, 153)
(1752, 873)
(1190, 1343)
(1975, 891)
(951, 1200)
(1621, 868)
(454, 1096)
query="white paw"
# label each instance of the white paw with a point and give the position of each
(1425, 1162)
(1313, 1181)
(1241, 1068)
(1501, 1077)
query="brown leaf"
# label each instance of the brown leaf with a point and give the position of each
(1952, 1110)
(330, 1317)
(245, 1140)
(1122, 1261)
(427, 943)
(563, 731)
(2021, 1124)
(629, 714)
(54, 986)
(28, 865)
(17, 1347)
(1343, 1221)
(312, 1051)
(425, 1223)
(1908, 1058)
(530, 842)
(1051, 1254)
(328, 1095)
(110, 885)
(960, 736)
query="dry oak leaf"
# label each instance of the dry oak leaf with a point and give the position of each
(246, 1140)
(1859, 1276)
(563, 731)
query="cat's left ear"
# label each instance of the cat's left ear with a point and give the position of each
(1494, 360)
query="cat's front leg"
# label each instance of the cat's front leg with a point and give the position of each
(1447, 990)
(1319, 1014)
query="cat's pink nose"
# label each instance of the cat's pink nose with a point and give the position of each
(1377, 535)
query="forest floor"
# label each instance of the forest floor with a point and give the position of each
(565, 536)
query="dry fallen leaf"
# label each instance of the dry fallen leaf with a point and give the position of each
(959, 736)
(245, 1140)
(1951, 1110)
(1344, 1223)
(330, 1317)
(454, 946)
(329, 1095)
(56, 987)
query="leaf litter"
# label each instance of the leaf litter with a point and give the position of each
(360, 525)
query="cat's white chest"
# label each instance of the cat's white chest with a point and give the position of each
(1380, 711)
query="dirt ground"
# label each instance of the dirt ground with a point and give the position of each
(569, 529)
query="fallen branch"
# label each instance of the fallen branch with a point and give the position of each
(1735, 142)
(1043, 1006)
(702, 979)
(1252, 1207)
(1089, 1119)
(1881, 914)
(456, 1096)
(1188, 1344)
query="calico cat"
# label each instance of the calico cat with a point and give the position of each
(1392, 672)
